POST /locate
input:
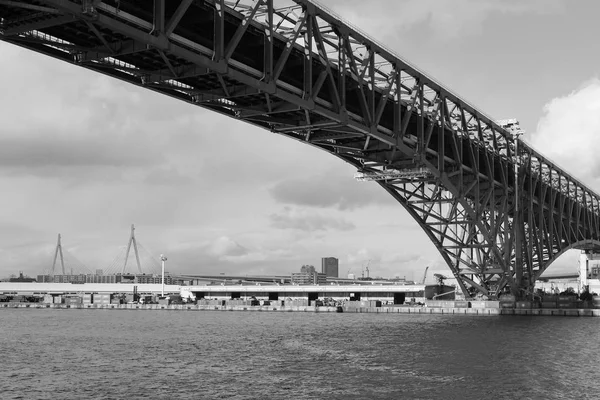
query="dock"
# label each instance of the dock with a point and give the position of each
(317, 309)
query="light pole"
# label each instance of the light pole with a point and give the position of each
(163, 259)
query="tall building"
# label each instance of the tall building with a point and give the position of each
(330, 266)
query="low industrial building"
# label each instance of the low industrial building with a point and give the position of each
(386, 292)
(113, 278)
(390, 294)
(37, 288)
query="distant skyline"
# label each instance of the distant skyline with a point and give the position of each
(86, 156)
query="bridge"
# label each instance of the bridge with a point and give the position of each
(498, 211)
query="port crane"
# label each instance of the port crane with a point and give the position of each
(367, 269)
(440, 279)
(424, 275)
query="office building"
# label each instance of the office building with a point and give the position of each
(330, 267)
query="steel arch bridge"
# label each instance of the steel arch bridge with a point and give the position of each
(498, 211)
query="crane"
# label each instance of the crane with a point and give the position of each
(367, 268)
(440, 279)
(425, 275)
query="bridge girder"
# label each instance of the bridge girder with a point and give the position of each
(302, 72)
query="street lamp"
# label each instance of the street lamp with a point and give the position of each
(163, 259)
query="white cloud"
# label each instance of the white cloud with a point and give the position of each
(226, 247)
(309, 221)
(446, 20)
(330, 190)
(361, 255)
(569, 133)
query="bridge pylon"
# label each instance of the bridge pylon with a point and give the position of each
(133, 242)
(58, 252)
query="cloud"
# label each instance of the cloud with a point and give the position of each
(325, 191)
(361, 256)
(167, 176)
(225, 255)
(86, 127)
(56, 151)
(444, 19)
(223, 251)
(214, 251)
(226, 247)
(407, 257)
(569, 132)
(73, 129)
(308, 221)
(38, 256)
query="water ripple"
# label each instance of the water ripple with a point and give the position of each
(115, 354)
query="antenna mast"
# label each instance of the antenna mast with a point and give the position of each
(135, 249)
(56, 252)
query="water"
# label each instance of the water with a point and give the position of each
(152, 354)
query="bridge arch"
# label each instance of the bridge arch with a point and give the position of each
(591, 244)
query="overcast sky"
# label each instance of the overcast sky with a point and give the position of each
(86, 156)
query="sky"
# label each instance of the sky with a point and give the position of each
(86, 156)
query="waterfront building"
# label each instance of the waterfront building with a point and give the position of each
(101, 279)
(232, 287)
(41, 289)
(308, 269)
(45, 278)
(315, 278)
(589, 271)
(308, 276)
(387, 294)
(330, 267)
(114, 278)
(21, 278)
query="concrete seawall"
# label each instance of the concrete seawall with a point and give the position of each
(553, 312)
(177, 307)
(193, 307)
(377, 310)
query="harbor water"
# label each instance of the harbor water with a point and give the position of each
(160, 354)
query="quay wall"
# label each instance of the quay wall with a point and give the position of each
(379, 310)
(193, 307)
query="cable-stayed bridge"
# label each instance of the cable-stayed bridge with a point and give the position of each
(65, 263)
(498, 211)
(131, 259)
(140, 260)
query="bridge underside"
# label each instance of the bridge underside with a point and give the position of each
(498, 212)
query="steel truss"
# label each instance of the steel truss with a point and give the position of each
(297, 69)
